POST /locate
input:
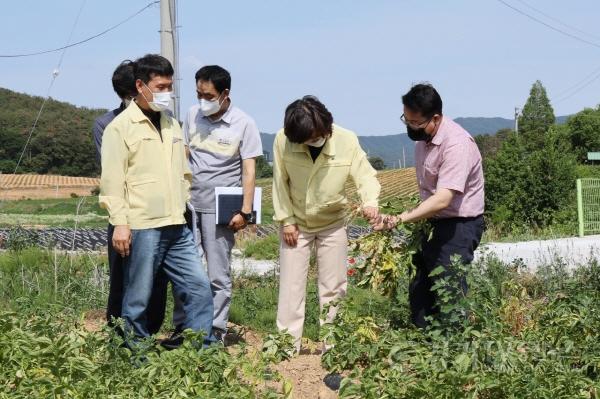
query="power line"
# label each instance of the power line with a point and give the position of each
(576, 29)
(586, 81)
(580, 86)
(576, 85)
(52, 80)
(554, 28)
(81, 41)
(594, 72)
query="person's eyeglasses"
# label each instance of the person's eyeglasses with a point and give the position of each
(414, 124)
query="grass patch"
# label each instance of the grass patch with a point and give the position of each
(53, 212)
(588, 171)
(266, 248)
(35, 280)
(563, 225)
(88, 220)
(254, 303)
(53, 206)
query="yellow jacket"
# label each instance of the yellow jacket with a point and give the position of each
(145, 180)
(313, 195)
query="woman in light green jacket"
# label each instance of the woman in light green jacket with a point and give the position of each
(313, 159)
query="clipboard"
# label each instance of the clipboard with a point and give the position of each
(230, 199)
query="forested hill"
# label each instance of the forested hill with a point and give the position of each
(478, 126)
(389, 148)
(61, 143)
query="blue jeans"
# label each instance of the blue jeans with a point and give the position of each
(172, 250)
(158, 299)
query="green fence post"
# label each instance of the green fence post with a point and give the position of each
(580, 208)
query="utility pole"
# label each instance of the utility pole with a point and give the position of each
(403, 158)
(517, 113)
(169, 45)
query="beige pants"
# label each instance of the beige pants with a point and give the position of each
(331, 247)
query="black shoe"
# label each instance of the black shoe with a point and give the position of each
(174, 341)
(219, 335)
(333, 381)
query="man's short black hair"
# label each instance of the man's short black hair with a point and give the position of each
(150, 65)
(123, 81)
(424, 99)
(304, 118)
(218, 76)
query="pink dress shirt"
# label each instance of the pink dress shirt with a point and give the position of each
(451, 160)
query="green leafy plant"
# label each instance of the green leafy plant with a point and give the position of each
(515, 334)
(382, 257)
(50, 345)
(278, 346)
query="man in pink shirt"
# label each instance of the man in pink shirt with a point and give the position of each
(451, 187)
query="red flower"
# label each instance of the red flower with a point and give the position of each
(351, 272)
(351, 261)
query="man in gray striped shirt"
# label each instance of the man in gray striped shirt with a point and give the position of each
(223, 143)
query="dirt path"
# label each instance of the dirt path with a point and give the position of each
(303, 371)
(306, 374)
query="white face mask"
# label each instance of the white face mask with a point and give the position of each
(316, 143)
(209, 107)
(160, 101)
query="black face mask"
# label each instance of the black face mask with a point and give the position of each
(417, 134)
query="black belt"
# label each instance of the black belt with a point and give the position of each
(456, 219)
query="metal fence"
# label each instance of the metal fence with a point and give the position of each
(588, 206)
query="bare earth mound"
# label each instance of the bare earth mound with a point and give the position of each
(15, 187)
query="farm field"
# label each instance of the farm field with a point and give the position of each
(25, 186)
(515, 335)
(394, 183)
(43, 209)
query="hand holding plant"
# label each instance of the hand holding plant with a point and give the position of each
(388, 252)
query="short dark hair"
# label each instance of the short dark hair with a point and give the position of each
(218, 76)
(306, 116)
(424, 99)
(150, 65)
(123, 80)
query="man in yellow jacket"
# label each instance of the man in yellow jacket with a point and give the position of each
(144, 186)
(313, 159)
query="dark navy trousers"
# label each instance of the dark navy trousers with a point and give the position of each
(451, 236)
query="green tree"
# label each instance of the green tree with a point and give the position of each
(525, 187)
(537, 117)
(489, 144)
(263, 169)
(584, 132)
(61, 143)
(377, 163)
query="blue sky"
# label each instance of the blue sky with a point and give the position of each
(357, 57)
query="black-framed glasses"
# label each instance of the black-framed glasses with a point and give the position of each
(413, 124)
